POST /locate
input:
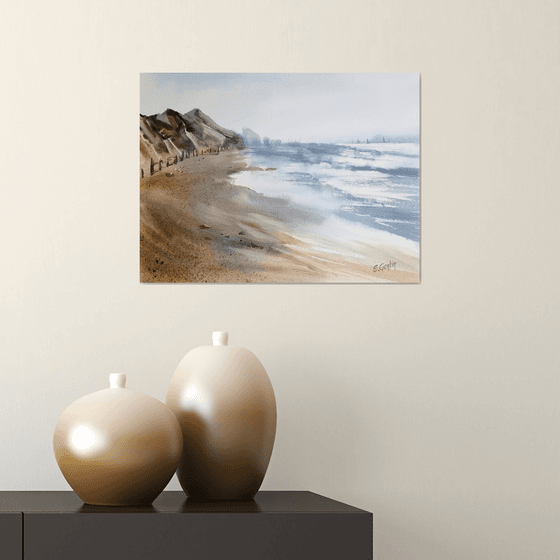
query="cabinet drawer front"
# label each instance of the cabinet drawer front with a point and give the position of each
(200, 536)
(10, 536)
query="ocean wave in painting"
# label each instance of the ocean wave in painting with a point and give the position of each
(374, 185)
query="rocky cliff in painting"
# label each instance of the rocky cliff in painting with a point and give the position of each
(250, 137)
(170, 133)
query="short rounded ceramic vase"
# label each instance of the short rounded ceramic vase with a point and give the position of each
(117, 447)
(225, 404)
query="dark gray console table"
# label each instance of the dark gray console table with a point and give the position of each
(273, 526)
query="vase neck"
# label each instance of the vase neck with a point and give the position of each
(117, 381)
(220, 338)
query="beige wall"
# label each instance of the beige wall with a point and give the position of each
(435, 406)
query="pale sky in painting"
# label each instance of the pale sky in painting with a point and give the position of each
(301, 107)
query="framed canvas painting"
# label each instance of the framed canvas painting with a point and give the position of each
(280, 178)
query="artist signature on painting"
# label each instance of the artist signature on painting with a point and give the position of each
(385, 266)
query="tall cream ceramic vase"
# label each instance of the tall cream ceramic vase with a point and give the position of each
(225, 404)
(117, 447)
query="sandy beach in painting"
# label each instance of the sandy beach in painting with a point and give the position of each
(200, 224)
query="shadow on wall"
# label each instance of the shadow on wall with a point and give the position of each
(348, 426)
(328, 428)
(394, 543)
(333, 432)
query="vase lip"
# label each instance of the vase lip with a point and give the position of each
(117, 380)
(220, 338)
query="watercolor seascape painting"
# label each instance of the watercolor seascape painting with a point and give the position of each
(279, 178)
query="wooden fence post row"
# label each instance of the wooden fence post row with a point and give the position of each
(184, 154)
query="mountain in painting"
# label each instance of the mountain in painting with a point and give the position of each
(250, 137)
(170, 133)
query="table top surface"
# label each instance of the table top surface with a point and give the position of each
(175, 502)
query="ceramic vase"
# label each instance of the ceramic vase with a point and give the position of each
(117, 447)
(225, 404)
